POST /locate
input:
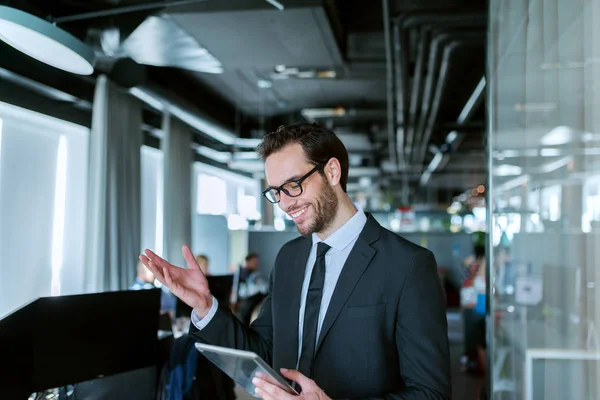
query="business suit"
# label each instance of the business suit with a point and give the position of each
(384, 335)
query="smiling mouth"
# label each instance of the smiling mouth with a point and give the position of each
(299, 212)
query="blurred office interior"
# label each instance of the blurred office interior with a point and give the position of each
(472, 130)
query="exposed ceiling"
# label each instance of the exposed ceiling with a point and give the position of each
(252, 67)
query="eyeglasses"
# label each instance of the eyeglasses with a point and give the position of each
(291, 188)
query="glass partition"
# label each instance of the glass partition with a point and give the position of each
(544, 199)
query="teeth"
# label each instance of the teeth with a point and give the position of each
(298, 213)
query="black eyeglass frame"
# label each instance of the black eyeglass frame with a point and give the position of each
(298, 182)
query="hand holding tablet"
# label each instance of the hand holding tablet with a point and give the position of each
(243, 367)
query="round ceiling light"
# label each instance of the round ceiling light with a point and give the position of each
(45, 42)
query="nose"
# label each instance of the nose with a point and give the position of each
(286, 202)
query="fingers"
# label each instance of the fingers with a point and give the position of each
(269, 391)
(157, 260)
(297, 377)
(158, 274)
(189, 258)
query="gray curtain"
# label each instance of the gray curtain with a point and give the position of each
(177, 201)
(114, 200)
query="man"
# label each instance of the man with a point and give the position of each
(252, 288)
(354, 311)
(202, 261)
(145, 280)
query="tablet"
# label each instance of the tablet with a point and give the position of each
(242, 366)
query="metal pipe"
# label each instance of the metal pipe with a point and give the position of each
(417, 90)
(442, 81)
(434, 67)
(390, 83)
(122, 10)
(462, 20)
(44, 90)
(430, 81)
(400, 58)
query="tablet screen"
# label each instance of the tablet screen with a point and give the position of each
(242, 367)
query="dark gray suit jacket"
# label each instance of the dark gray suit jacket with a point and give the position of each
(384, 335)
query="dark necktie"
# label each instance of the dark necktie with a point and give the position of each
(311, 311)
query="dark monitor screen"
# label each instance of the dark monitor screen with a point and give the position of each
(220, 287)
(55, 341)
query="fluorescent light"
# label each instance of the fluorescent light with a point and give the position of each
(58, 230)
(160, 190)
(147, 98)
(507, 170)
(558, 136)
(276, 4)
(45, 42)
(472, 102)
(550, 152)
(219, 156)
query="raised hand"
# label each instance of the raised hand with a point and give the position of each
(190, 285)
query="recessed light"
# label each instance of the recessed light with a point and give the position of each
(264, 84)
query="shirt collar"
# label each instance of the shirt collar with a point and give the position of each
(346, 234)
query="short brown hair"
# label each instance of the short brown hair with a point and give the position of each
(319, 145)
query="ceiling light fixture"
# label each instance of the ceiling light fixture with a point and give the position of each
(276, 4)
(45, 42)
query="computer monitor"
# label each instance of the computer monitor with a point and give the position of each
(55, 341)
(220, 286)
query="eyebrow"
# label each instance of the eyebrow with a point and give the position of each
(293, 178)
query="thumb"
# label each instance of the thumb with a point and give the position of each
(189, 258)
(296, 376)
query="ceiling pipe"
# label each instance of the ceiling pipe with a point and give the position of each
(422, 88)
(44, 90)
(433, 67)
(401, 79)
(394, 155)
(436, 20)
(417, 89)
(440, 88)
(436, 55)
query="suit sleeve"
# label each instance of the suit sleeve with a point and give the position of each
(226, 330)
(422, 335)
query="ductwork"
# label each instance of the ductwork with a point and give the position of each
(440, 88)
(413, 110)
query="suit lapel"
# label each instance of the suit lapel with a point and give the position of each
(291, 294)
(358, 260)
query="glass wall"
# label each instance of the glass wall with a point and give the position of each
(544, 199)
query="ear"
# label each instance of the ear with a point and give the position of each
(333, 171)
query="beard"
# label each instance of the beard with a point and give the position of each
(325, 208)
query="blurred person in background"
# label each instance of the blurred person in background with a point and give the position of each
(203, 261)
(252, 288)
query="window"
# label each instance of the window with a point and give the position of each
(43, 186)
(152, 199)
(212, 195)
(220, 192)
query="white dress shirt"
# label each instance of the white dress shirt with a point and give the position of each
(341, 242)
